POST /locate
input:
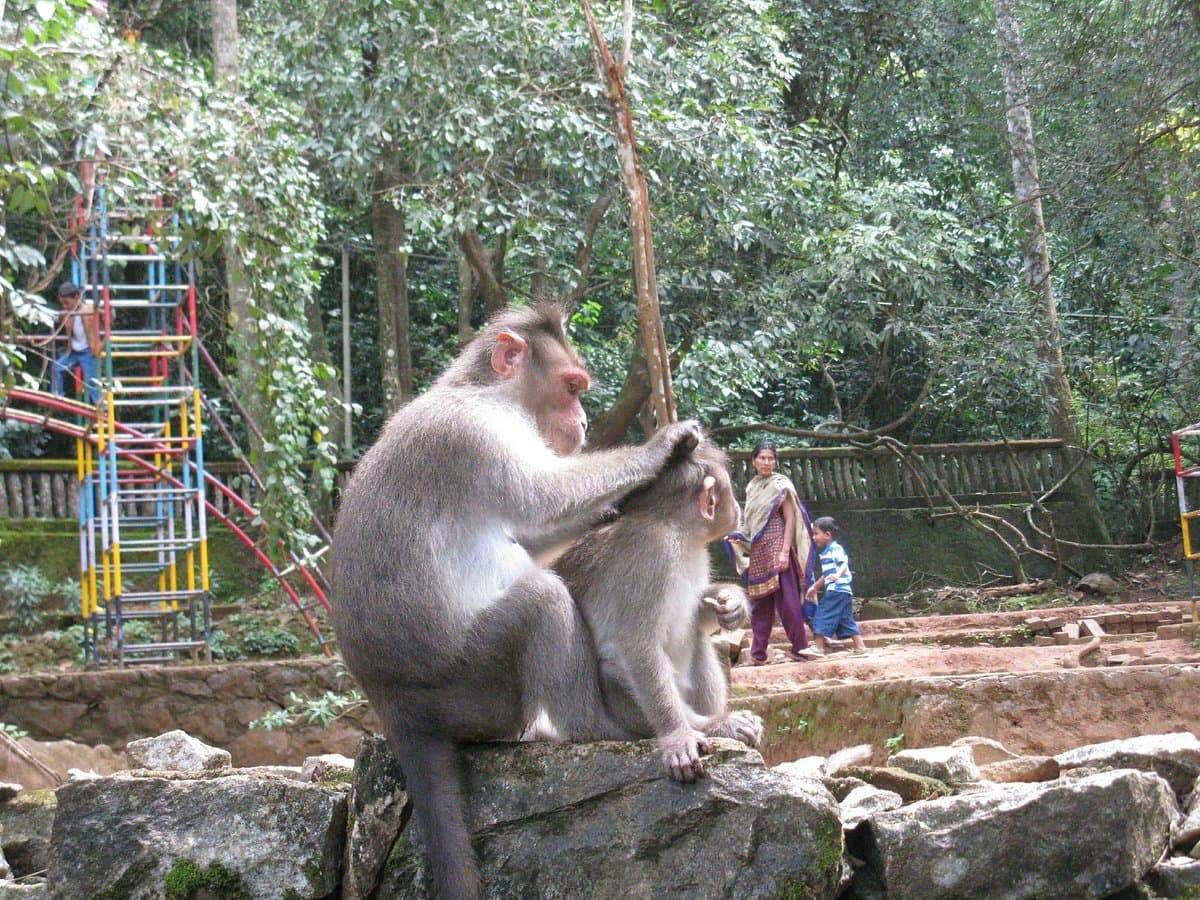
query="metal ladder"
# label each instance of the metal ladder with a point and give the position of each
(143, 530)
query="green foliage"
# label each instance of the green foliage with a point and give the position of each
(187, 881)
(224, 646)
(258, 634)
(269, 640)
(75, 635)
(137, 631)
(26, 590)
(232, 165)
(830, 189)
(800, 725)
(13, 731)
(43, 64)
(319, 711)
(895, 743)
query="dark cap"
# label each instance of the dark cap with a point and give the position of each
(69, 289)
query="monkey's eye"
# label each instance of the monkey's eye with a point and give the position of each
(574, 387)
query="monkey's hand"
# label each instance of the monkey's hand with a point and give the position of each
(677, 440)
(681, 754)
(741, 725)
(730, 605)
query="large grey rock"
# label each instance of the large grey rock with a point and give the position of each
(175, 751)
(1175, 756)
(378, 809)
(865, 801)
(126, 835)
(14, 890)
(327, 767)
(1175, 877)
(1098, 583)
(603, 820)
(1022, 768)
(952, 765)
(807, 768)
(908, 785)
(1076, 839)
(1185, 831)
(26, 822)
(984, 750)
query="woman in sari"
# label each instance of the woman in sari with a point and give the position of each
(773, 553)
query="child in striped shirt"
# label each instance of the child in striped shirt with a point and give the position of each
(834, 616)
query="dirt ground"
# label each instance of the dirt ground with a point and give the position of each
(1145, 667)
(984, 642)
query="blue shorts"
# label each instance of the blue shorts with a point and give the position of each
(810, 612)
(835, 616)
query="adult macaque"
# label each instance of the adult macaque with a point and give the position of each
(450, 628)
(641, 581)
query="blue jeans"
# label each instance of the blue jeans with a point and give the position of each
(835, 616)
(87, 365)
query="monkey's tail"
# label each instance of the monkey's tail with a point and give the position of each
(434, 781)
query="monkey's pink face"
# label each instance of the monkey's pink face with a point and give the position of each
(561, 419)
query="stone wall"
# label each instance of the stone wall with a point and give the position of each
(893, 550)
(1033, 713)
(214, 703)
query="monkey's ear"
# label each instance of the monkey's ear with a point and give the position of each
(508, 356)
(708, 499)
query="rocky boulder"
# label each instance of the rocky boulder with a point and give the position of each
(1080, 838)
(175, 751)
(604, 820)
(25, 825)
(226, 835)
(1175, 756)
(952, 765)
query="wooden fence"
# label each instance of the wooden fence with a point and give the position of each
(47, 489)
(826, 477)
(853, 478)
(845, 477)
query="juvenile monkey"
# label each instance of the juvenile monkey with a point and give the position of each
(441, 614)
(640, 581)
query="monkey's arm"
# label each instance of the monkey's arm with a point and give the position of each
(548, 545)
(649, 677)
(728, 605)
(708, 696)
(553, 494)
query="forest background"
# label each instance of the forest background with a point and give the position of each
(845, 226)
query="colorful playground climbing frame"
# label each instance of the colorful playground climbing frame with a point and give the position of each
(1186, 478)
(144, 543)
(142, 482)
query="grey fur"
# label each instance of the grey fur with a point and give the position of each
(450, 628)
(641, 582)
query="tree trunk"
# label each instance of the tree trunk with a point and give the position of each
(466, 298)
(611, 426)
(1056, 388)
(320, 499)
(645, 280)
(391, 286)
(488, 268)
(242, 313)
(583, 251)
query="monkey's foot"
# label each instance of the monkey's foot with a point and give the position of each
(740, 725)
(681, 754)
